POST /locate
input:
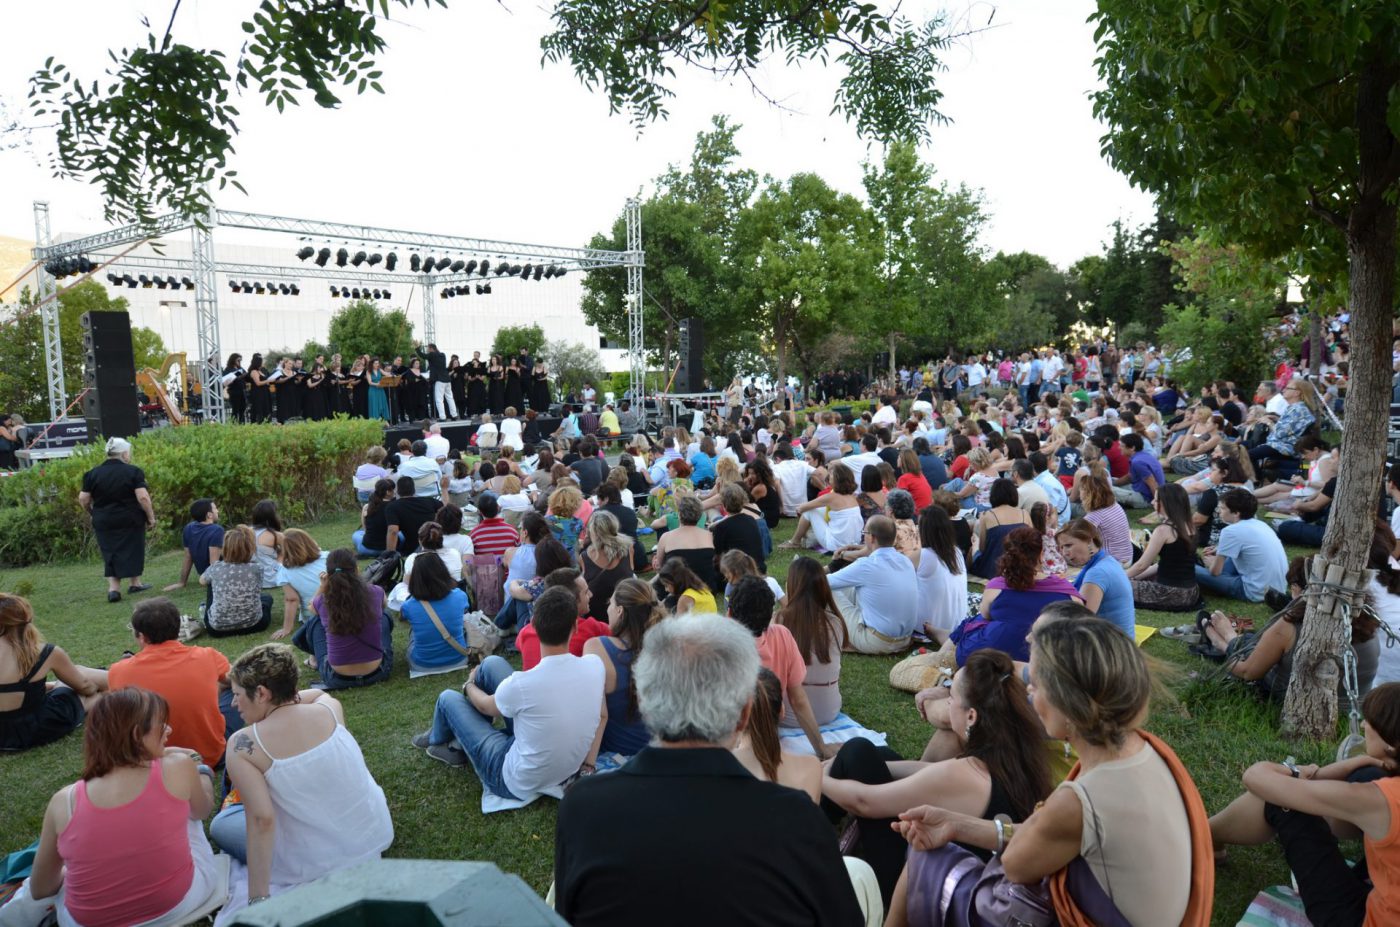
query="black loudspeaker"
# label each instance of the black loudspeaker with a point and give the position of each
(690, 374)
(109, 376)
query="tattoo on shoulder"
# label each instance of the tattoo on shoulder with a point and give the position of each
(243, 744)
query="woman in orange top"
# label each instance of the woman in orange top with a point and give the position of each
(1359, 796)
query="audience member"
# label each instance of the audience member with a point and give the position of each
(878, 594)
(1165, 576)
(585, 628)
(237, 604)
(1249, 559)
(31, 712)
(434, 645)
(632, 609)
(812, 617)
(605, 561)
(202, 539)
(299, 574)
(350, 637)
(1101, 580)
(492, 536)
(406, 514)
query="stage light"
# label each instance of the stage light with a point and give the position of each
(559, 272)
(322, 257)
(259, 288)
(470, 267)
(516, 270)
(456, 266)
(415, 263)
(160, 283)
(305, 252)
(375, 259)
(296, 290)
(488, 289)
(247, 287)
(525, 273)
(539, 271)
(342, 257)
(286, 290)
(485, 266)
(391, 262)
(174, 284)
(446, 293)
(113, 279)
(359, 258)
(145, 282)
(428, 263)
(129, 280)
(233, 285)
(335, 292)
(446, 262)
(84, 265)
(189, 284)
(387, 295)
(480, 288)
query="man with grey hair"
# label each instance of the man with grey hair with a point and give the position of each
(114, 493)
(684, 819)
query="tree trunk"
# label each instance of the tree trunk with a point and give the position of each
(894, 368)
(666, 370)
(780, 340)
(1310, 709)
(1315, 343)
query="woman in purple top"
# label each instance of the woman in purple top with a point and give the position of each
(350, 634)
(1013, 600)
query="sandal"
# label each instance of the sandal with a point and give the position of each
(1186, 633)
(789, 545)
(309, 663)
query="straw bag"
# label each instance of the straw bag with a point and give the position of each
(921, 670)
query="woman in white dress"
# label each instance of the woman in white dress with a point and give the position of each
(310, 806)
(487, 434)
(831, 521)
(510, 431)
(941, 572)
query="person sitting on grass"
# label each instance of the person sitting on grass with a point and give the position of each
(192, 680)
(759, 747)
(31, 713)
(1090, 685)
(432, 649)
(1308, 808)
(995, 524)
(695, 683)
(585, 629)
(547, 555)
(299, 574)
(738, 530)
(1249, 559)
(492, 536)
(202, 539)
(685, 590)
(370, 539)
(1139, 486)
(406, 514)
(752, 606)
(632, 610)
(998, 766)
(121, 848)
(237, 604)
(553, 725)
(878, 593)
(309, 805)
(812, 617)
(1165, 576)
(1101, 580)
(833, 519)
(349, 636)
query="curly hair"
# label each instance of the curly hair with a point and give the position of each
(272, 666)
(1020, 557)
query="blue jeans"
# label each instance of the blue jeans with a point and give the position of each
(229, 830)
(1229, 583)
(956, 484)
(485, 745)
(514, 614)
(1308, 534)
(316, 637)
(358, 538)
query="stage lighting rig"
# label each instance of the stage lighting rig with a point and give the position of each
(391, 262)
(375, 259)
(322, 257)
(305, 252)
(415, 263)
(342, 257)
(359, 258)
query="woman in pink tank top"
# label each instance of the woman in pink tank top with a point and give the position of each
(124, 844)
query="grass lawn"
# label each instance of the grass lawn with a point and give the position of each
(1217, 728)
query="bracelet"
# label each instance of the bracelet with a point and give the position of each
(204, 770)
(1004, 830)
(1290, 764)
(252, 900)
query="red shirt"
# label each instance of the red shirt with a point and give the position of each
(188, 679)
(959, 467)
(494, 536)
(778, 652)
(528, 640)
(918, 487)
(1117, 461)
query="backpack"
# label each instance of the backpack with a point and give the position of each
(385, 572)
(486, 574)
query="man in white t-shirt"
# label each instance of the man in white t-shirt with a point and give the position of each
(438, 446)
(885, 415)
(792, 475)
(553, 721)
(976, 374)
(868, 457)
(1274, 402)
(1249, 559)
(423, 470)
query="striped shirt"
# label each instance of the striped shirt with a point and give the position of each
(1112, 523)
(493, 536)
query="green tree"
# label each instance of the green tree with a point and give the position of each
(1038, 301)
(813, 258)
(360, 327)
(1276, 125)
(160, 126)
(573, 364)
(511, 338)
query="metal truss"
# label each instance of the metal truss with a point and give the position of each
(112, 238)
(253, 272)
(48, 318)
(206, 315)
(635, 259)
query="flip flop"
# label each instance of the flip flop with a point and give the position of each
(1186, 633)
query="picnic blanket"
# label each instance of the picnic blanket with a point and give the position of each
(838, 730)
(1278, 906)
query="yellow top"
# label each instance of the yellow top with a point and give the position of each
(702, 600)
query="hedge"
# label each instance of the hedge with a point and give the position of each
(305, 467)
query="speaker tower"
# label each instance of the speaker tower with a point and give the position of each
(690, 374)
(109, 376)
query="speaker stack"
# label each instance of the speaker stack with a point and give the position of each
(690, 375)
(109, 376)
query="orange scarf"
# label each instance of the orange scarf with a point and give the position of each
(1198, 907)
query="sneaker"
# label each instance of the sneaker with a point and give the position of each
(445, 753)
(189, 629)
(421, 741)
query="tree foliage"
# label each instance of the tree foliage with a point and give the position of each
(573, 364)
(511, 338)
(360, 327)
(157, 130)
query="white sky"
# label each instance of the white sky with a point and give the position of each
(475, 137)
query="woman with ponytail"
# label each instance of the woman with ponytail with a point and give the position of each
(759, 750)
(1001, 767)
(350, 635)
(632, 609)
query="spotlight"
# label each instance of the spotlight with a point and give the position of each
(160, 283)
(296, 290)
(359, 258)
(305, 252)
(113, 279)
(377, 294)
(559, 272)
(391, 262)
(286, 290)
(84, 265)
(428, 263)
(322, 257)
(480, 288)
(502, 269)
(129, 281)
(335, 292)
(549, 272)
(456, 266)
(445, 262)
(341, 257)
(189, 284)
(387, 294)
(446, 293)
(485, 266)
(375, 259)
(259, 288)
(488, 289)
(515, 270)
(539, 271)
(145, 282)
(174, 284)
(525, 274)
(355, 294)
(233, 285)
(247, 287)
(415, 263)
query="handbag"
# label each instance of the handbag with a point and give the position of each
(437, 623)
(483, 636)
(999, 901)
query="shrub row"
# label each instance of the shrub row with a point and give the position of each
(305, 467)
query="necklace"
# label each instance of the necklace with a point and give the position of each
(277, 708)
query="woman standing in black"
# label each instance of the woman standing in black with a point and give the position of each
(288, 393)
(114, 493)
(237, 398)
(359, 387)
(515, 385)
(416, 406)
(476, 385)
(317, 387)
(539, 388)
(457, 376)
(496, 379)
(259, 393)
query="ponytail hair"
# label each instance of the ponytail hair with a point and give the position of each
(763, 723)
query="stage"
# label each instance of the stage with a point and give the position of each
(458, 434)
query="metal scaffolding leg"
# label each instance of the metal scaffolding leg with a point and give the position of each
(429, 311)
(206, 314)
(636, 347)
(48, 317)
